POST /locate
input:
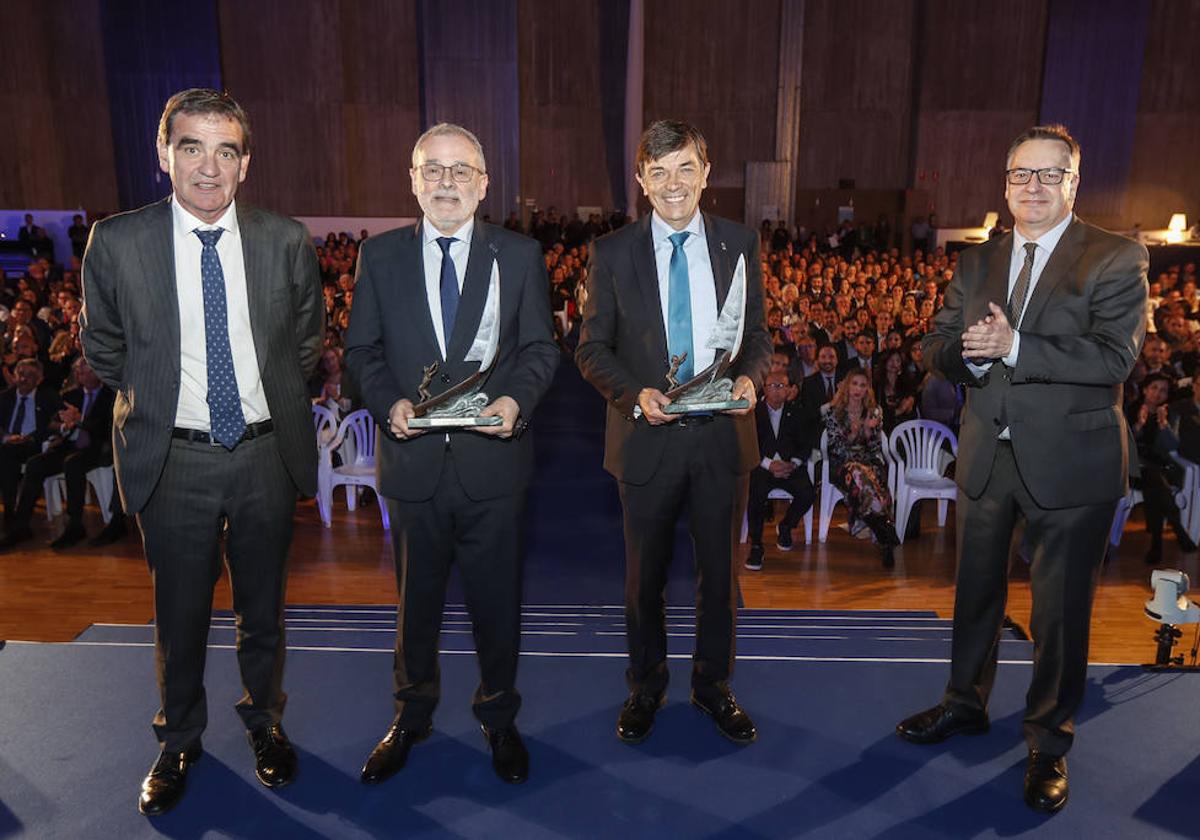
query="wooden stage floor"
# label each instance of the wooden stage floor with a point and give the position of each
(52, 596)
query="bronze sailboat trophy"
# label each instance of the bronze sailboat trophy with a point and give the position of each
(710, 390)
(459, 405)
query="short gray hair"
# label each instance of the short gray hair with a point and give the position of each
(443, 129)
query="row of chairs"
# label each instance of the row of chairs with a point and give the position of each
(917, 454)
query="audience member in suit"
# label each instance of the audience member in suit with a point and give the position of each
(1043, 436)
(804, 361)
(205, 317)
(1149, 419)
(845, 347)
(819, 388)
(1183, 421)
(633, 325)
(454, 497)
(80, 440)
(26, 410)
(864, 358)
(782, 444)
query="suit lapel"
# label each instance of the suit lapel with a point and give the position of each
(158, 264)
(474, 292)
(1065, 255)
(719, 258)
(647, 278)
(995, 284)
(258, 287)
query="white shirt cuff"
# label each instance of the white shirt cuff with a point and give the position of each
(766, 463)
(1011, 358)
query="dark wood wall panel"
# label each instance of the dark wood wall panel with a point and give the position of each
(332, 89)
(1165, 176)
(980, 82)
(56, 146)
(855, 101)
(716, 65)
(563, 156)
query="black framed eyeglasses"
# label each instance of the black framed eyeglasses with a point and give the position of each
(1049, 176)
(460, 172)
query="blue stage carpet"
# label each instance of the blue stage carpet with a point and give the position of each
(824, 688)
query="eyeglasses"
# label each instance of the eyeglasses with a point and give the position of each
(1050, 176)
(460, 172)
(776, 385)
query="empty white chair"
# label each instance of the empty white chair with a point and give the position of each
(919, 454)
(325, 427)
(1188, 497)
(354, 472)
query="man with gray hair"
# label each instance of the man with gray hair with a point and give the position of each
(457, 496)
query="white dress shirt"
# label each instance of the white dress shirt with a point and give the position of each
(192, 411)
(701, 283)
(431, 251)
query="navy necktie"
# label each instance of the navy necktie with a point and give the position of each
(19, 418)
(679, 307)
(224, 399)
(449, 290)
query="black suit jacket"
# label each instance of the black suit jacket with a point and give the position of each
(623, 343)
(46, 404)
(851, 365)
(97, 424)
(130, 331)
(792, 438)
(1080, 335)
(391, 339)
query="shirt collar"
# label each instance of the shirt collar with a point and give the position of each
(1047, 240)
(185, 222)
(430, 234)
(661, 231)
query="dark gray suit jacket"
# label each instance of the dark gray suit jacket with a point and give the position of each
(391, 339)
(130, 332)
(623, 344)
(1080, 335)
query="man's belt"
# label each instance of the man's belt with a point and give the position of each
(253, 430)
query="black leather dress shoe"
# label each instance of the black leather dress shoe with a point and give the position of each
(1046, 782)
(391, 753)
(113, 532)
(731, 721)
(274, 758)
(941, 722)
(70, 536)
(637, 716)
(510, 759)
(164, 785)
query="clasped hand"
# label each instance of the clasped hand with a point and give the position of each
(990, 337)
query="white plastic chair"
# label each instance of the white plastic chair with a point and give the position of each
(1124, 508)
(921, 462)
(325, 428)
(99, 479)
(355, 471)
(1188, 497)
(830, 495)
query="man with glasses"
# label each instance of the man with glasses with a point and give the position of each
(1042, 326)
(452, 497)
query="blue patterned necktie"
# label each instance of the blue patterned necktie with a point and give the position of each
(224, 400)
(679, 307)
(449, 290)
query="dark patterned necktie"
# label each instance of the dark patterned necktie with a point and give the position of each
(224, 399)
(449, 290)
(1016, 303)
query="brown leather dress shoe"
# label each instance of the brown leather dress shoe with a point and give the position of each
(1046, 782)
(274, 758)
(390, 754)
(943, 721)
(163, 787)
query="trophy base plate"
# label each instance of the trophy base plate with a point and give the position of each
(452, 422)
(697, 407)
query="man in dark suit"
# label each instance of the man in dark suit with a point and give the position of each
(26, 410)
(205, 317)
(864, 347)
(1043, 436)
(782, 443)
(457, 496)
(819, 388)
(654, 291)
(80, 440)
